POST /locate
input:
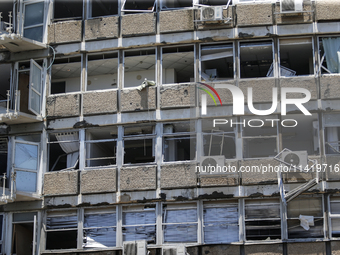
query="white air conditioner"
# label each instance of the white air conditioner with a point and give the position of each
(211, 165)
(211, 13)
(296, 159)
(178, 250)
(135, 248)
(291, 5)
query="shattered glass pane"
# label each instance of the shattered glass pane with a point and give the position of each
(26, 156)
(99, 238)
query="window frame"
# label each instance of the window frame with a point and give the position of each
(319, 71)
(89, 11)
(123, 10)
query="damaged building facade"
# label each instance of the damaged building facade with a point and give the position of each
(101, 127)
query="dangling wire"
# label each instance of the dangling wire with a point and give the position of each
(53, 57)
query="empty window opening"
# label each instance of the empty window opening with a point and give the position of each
(6, 7)
(255, 59)
(102, 71)
(1, 232)
(175, 4)
(3, 157)
(179, 141)
(101, 147)
(307, 206)
(23, 232)
(63, 151)
(262, 219)
(139, 223)
(139, 144)
(214, 2)
(303, 137)
(332, 135)
(34, 21)
(217, 61)
(66, 74)
(220, 222)
(132, 6)
(67, 10)
(99, 228)
(138, 67)
(219, 140)
(61, 230)
(103, 8)
(178, 65)
(335, 216)
(5, 73)
(329, 55)
(180, 223)
(264, 137)
(296, 55)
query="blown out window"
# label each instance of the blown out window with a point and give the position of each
(329, 55)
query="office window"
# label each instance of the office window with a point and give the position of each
(180, 223)
(67, 10)
(329, 55)
(139, 223)
(179, 141)
(131, 6)
(100, 8)
(34, 20)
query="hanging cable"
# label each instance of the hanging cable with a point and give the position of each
(53, 57)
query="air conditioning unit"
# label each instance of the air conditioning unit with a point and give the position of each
(298, 159)
(291, 5)
(211, 165)
(211, 13)
(179, 250)
(135, 248)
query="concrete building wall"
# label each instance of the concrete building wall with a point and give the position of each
(65, 31)
(295, 18)
(316, 248)
(251, 177)
(308, 83)
(100, 102)
(61, 183)
(262, 89)
(329, 87)
(138, 178)
(178, 176)
(225, 95)
(63, 105)
(327, 10)
(101, 28)
(177, 96)
(265, 249)
(221, 249)
(254, 14)
(224, 179)
(176, 21)
(138, 24)
(133, 99)
(333, 173)
(335, 247)
(98, 181)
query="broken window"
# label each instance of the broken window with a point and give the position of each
(34, 20)
(3, 156)
(303, 137)
(217, 62)
(175, 4)
(6, 8)
(63, 151)
(139, 223)
(139, 66)
(99, 228)
(102, 71)
(101, 147)
(180, 223)
(98, 8)
(296, 56)
(65, 75)
(179, 141)
(61, 230)
(332, 133)
(256, 59)
(214, 2)
(305, 206)
(5, 85)
(259, 133)
(132, 6)
(67, 10)
(219, 140)
(139, 144)
(329, 55)
(2, 225)
(262, 219)
(178, 64)
(335, 216)
(220, 222)
(24, 234)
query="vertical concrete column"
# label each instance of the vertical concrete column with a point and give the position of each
(158, 77)
(159, 229)
(200, 223)
(242, 229)
(120, 78)
(43, 160)
(327, 221)
(83, 82)
(42, 240)
(284, 225)
(119, 233)
(80, 213)
(158, 155)
(9, 232)
(39, 230)
(82, 149)
(119, 158)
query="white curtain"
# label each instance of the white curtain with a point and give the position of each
(70, 148)
(332, 136)
(332, 50)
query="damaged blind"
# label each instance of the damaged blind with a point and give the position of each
(63, 222)
(262, 220)
(140, 224)
(180, 225)
(220, 223)
(99, 230)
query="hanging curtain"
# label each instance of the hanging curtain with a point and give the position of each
(332, 136)
(332, 50)
(70, 148)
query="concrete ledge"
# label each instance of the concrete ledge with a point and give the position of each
(178, 176)
(97, 181)
(63, 105)
(133, 99)
(335, 247)
(177, 96)
(226, 179)
(100, 102)
(265, 249)
(262, 89)
(176, 20)
(65, 31)
(332, 161)
(100, 28)
(259, 178)
(308, 83)
(316, 248)
(330, 86)
(327, 10)
(139, 24)
(254, 14)
(294, 18)
(299, 176)
(219, 249)
(138, 178)
(61, 183)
